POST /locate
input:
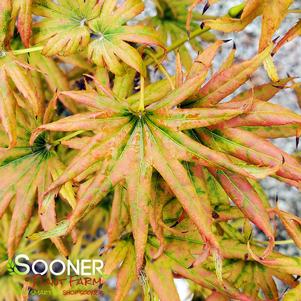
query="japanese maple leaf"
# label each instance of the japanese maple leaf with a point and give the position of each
(158, 277)
(132, 143)
(9, 273)
(101, 26)
(14, 71)
(178, 258)
(26, 172)
(12, 11)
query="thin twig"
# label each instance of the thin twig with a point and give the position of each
(27, 50)
(177, 44)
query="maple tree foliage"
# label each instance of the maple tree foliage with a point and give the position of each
(170, 168)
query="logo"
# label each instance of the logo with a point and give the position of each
(82, 267)
(78, 277)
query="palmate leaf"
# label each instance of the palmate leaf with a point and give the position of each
(64, 25)
(177, 258)
(250, 276)
(28, 182)
(159, 275)
(31, 171)
(11, 285)
(13, 70)
(133, 144)
(100, 26)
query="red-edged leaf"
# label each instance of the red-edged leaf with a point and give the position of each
(126, 275)
(184, 119)
(294, 32)
(139, 194)
(248, 201)
(273, 14)
(25, 21)
(177, 178)
(8, 108)
(226, 82)
(262, 113)
(5, 17)
(161, 279)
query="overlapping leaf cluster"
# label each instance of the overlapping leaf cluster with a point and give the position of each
(177, 161)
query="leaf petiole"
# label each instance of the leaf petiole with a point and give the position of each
(279, 242)
(141, 103)
(74, 134)
(294, 11)
(27, 50)
(177, 44)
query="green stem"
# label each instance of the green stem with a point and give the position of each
(200, 17)
(177, 44)
(295, 11)
(162, 69)
(279, 242)
(141, 103)
(56, 142)
(27, 50)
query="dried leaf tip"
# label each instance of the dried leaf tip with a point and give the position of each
(275, 39)
(297, 139)
(206, 7)
(188, 32)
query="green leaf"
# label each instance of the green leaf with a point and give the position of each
(63, 29)
(161, 278)
(227, 81)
